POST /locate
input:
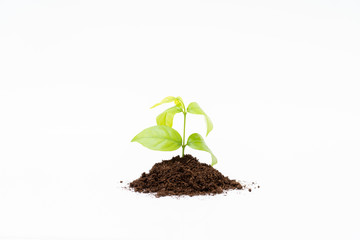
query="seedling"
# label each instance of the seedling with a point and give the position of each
(164, 138)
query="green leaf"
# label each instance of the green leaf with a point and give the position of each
(195, 109)
(165, 100)
(161, 138)
(177, 100)
(166, 117)
(180, 103)
(196, 141)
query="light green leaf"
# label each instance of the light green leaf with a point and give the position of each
(161, 138)
(196, 141)
(165, 100)
(166, 117)
(180, 103)
(195, 109)
(177, 100)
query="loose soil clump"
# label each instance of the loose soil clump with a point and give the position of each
(183, 176)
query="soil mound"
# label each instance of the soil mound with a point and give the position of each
(183, 176)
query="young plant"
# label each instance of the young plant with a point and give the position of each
(164, 138)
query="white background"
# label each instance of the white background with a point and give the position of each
(279, 79)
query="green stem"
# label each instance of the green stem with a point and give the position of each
(183, 145)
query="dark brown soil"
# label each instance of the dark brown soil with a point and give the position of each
(183, 176)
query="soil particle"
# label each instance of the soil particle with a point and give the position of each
(183, 176)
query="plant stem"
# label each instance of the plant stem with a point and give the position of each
(183, 145)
